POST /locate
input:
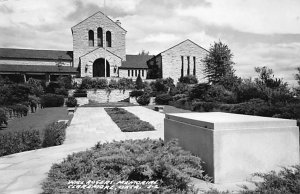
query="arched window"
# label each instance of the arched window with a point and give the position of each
(100, 37)
(108, 39)
(91, 38)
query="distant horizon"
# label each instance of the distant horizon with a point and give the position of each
(258, 32)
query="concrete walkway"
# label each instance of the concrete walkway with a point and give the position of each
(24, 172)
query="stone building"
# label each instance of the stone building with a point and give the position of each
(99, 50)
(180, 60)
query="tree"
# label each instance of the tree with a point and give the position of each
(266, 78)
(143, 52)
(139, 82)
(218, 66)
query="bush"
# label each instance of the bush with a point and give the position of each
(255, 107)
(163, 99)
(129, 160)
(113, 84)
(125, 83)
(136, 93)
(3, 117)
(199, 91)
(18, 110)
(285, 181)
(179, 96)
(54, 134)
(18, 141)
(204, 106)
(51, 87)
(188, 79)
(61, 91)
(248, 90)
(139, 83)
(127, 121)
(143, 100)
(52, 100)
(71, 102)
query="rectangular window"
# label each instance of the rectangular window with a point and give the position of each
(128, 73)
(188, 68)
(139, 72)
(182, 62)
(135, 73)
(194, 70)
(143, 73)
(132, 73)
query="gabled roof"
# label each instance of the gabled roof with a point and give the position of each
(103, 49)
(37, 69)
(136, 62)
(187, 40)
(12, 53)
(96, 14)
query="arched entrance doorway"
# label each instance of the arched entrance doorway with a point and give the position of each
(98, 68)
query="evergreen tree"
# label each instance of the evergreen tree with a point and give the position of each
(218, 66)
(139, 82)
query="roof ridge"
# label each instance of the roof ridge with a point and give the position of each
(95, 14)
(34, 49)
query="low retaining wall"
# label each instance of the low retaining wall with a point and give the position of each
(103, 96)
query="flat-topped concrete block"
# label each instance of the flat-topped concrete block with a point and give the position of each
(234, 146)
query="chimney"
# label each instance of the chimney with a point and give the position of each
(118, 22)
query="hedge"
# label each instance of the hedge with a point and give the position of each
(143, 100)
(127, 121)
(129, 160)
(52, 100)
(19, 141)
(54, 134)
(24, 140)
(71, 102)
(163, 99)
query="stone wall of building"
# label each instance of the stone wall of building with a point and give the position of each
(103, 96)
(172, 61)
(81, 42)
(124, 73)
(88, 60)
(33, 62)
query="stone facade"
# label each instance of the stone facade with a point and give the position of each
(131, 74)
(102, 96)
(88, 59)
(81, 41)
(171, 60)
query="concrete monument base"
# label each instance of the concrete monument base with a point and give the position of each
(234, 146)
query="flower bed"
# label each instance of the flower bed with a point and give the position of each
(129, 160)
(127, 121)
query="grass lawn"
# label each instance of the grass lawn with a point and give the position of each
(109, 104)
(169, 109)
(39, 119)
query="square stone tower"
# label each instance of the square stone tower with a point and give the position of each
(97, 41)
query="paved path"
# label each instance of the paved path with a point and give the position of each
(23, 172)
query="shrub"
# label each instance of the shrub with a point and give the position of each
(143, 100)
(61, 91)
(52, 100)
(125, 83)
(204, 106)
(18, 110)
(255, 107)
(129, 160)
(51, 87)
(139, 82)
(36, 87)
(163, 99)
(136, 93)
(199, 91)
(127, 121)
(113, 84)
(3, 117)
(65, 81)
(54, 134)
(18, 141)
(179, 96)
(71, 102)
(188, 79)
(248, 90)
(285, 181)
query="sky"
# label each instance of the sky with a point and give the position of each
(258, 32)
